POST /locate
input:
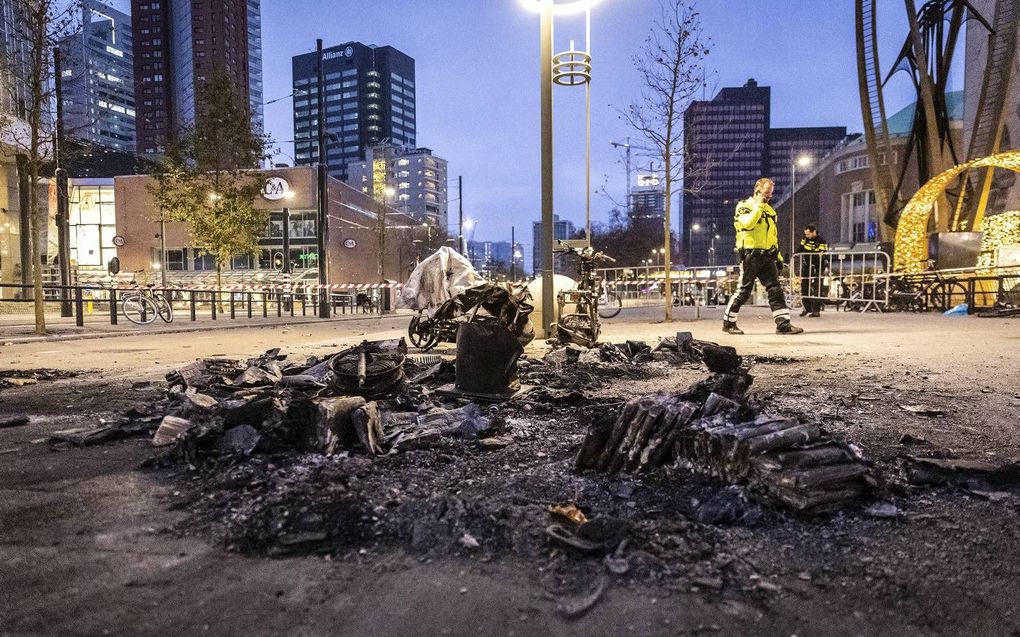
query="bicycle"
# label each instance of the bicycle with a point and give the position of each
(504, 303)
(582, 326)
(142, 305)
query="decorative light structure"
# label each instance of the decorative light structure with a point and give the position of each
(998, 231)
(912, 230)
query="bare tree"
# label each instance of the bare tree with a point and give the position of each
(27, 112)
(672, 69)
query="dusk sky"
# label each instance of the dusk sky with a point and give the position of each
(477, 83)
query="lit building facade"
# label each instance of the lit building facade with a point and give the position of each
(418, 180)
(837, 192)
(648, 198)
(14, 263)
(352, 247)
(369, 99)
(98, 79)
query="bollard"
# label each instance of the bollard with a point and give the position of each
(232, 306)
(79, 318)
(113, 306)
(248, 294)
(193, 317)
(265, 308)
(279, 305)
(290, 302)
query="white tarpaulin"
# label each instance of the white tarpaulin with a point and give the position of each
(437, 279)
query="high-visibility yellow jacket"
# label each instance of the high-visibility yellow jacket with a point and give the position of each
(755, 224)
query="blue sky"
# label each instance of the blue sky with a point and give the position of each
(477, 82)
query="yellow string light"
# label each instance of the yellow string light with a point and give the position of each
(998, 231)
(912, 229)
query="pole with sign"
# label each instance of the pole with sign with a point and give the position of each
(322, 194)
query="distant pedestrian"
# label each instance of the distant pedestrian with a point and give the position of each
(811, 270)
(758, 250)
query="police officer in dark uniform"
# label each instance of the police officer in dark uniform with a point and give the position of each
(811, 270)
(760, 260)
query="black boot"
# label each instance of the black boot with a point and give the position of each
(730, 327)
(788, 328)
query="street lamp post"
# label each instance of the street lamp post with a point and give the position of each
(690, 243)
(803, 161)
(571, 68)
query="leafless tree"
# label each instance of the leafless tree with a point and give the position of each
(671, 65)
(28, 110)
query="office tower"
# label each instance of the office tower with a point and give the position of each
(178, 43)
(729, 144)
(98, 79)
(369, 99)
(415, 178)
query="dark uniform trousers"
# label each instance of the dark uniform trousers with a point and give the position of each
(810, 272)
(810, 283)
(759, 265)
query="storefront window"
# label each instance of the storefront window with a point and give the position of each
(302, 224)
(175, 260)
(241, 262)
(203, 261)
(92, 225)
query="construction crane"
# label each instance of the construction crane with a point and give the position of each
(626, 145)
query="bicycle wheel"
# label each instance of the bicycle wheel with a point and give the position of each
(609, 305)
(139, 309)
(947, 295)
(420, 333)
(164, 308)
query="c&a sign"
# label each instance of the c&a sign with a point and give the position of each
(275, 188)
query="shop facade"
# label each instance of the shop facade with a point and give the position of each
(289, 197)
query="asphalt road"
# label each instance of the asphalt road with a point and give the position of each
(89, 546)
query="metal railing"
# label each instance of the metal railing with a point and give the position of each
(252, 303)
(644, 286)
(860, 280)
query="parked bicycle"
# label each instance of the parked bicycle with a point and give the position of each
(142, 305)
(582, 326)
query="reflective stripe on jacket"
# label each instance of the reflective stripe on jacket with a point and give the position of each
(755, 224)
(817, 244)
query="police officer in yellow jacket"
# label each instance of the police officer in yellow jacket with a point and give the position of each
(758, 249)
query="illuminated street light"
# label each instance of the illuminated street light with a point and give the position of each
(690, 243)
(803, 161)
(561, 8)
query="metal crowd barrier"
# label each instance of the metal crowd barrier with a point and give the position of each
(644, 286)
(858, 279)
(236, 303)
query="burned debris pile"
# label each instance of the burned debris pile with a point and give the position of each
(718, 431)
(356, 400)
(23, 377)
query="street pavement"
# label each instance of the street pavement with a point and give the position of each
(935, 338)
